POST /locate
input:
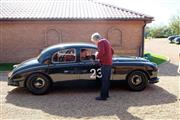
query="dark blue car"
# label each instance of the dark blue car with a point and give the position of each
(171, 38)
(76, 61)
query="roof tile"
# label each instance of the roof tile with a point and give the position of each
(64, 9)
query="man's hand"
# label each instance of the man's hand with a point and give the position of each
(96, 54)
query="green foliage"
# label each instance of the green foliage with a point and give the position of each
(173, 28)
(158, 32)
(158, 59)
(175, 25)
(6, 66)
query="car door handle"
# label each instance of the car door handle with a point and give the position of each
(82, 63)
(66, 71)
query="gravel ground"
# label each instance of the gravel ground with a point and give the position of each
(159, 101)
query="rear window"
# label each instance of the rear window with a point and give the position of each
(64, 56)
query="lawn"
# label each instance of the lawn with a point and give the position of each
(156, 58)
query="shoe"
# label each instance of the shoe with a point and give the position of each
(100, 98)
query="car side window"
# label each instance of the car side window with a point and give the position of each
(87, 54)
(64, 56)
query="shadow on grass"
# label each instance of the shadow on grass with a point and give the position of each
(76, 100)
(158, 60)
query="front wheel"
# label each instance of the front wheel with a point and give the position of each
(137, 81)
(38, 84)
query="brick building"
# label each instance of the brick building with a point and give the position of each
(27, 27)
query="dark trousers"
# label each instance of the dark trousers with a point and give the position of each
(105, 80)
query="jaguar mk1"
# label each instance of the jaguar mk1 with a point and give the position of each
(77, 61)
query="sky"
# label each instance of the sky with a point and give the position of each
(161, 10)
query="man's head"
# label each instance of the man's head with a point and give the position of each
(96, 37)
(83, 53)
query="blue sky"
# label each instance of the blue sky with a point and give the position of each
(161, 10)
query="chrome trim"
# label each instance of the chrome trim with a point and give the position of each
(118, 76)
(64, 62)
(38, 83)
(63, 77)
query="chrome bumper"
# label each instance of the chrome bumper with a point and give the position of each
(19, 83)
(154, 80)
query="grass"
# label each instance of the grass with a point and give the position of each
(156, 58)
(6, 66)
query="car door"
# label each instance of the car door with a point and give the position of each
(89, 67)
(64, 65)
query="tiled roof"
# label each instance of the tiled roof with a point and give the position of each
(64, 10)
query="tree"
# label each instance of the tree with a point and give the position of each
(175, 24)
(173, 28)
(158, 32)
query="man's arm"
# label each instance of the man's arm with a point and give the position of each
(112, 51)
(101, 50)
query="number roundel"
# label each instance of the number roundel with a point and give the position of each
(95, 73)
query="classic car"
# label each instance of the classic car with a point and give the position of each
(77, 61)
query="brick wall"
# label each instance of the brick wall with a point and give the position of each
(21, 40)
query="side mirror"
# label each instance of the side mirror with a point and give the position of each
(47, 62)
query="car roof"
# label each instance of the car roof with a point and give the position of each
(70, 45)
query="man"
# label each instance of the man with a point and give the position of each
(83, 54)
(104, 54)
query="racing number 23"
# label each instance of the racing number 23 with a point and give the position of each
(96, 73)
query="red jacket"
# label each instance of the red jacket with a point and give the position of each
(105, 52)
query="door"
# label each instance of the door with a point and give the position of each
(89, 67)
(64, 66)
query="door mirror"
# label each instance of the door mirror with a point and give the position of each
(47, 62)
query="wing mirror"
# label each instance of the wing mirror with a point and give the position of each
(47, 62)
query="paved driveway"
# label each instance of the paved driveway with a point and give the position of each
(159, 101)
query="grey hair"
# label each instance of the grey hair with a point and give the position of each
(96, 36)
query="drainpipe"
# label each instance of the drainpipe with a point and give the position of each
(141, 53)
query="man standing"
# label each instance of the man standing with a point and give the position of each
(104, 54)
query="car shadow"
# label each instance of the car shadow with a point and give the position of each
(168, 69)
(76, 100)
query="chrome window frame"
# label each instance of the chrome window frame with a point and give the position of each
(53, 62)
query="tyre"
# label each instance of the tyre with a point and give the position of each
(137, 81)
(38, 84)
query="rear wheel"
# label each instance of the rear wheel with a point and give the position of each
(38, 84)
(137, 81)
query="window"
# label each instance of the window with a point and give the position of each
(64, 56)
(87, 54)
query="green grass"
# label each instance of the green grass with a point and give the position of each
(6, 66)
(156, 58)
